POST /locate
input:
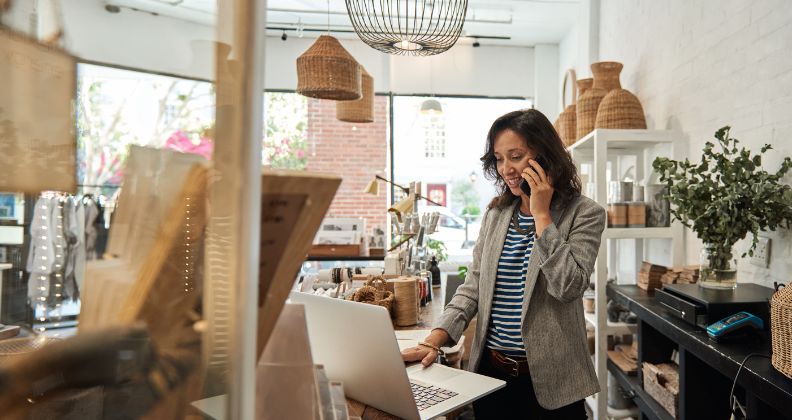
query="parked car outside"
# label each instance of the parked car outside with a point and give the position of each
(451, 230)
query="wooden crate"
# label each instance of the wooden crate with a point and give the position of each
(661, 381)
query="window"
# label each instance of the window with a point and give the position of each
(118, 108)
(442, 150)
(434, 136)
(285, 130)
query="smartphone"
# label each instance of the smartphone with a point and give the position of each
(524, 184)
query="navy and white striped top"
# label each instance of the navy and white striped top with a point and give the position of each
(504, 329)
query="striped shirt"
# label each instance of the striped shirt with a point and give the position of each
(504, 333)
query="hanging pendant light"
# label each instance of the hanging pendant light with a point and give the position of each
(327, 71)
(362, 110)
(431, 107)
(408, 27)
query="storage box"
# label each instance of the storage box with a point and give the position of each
(335, 250)
(662, 383)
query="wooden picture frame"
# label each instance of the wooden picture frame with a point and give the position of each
(293, 207)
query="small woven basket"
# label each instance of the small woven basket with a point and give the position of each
(374, 292)
(781, 330)
(15, 348)
(362, 110)
(327, 71)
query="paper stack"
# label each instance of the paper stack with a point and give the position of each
(650, 275)
(689, 274)
(682, 274)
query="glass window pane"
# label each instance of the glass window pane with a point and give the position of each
(442, 151)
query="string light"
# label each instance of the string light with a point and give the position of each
(50, 268)
(188, 258)
(40, 300)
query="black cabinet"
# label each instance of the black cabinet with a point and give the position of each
(706, 368)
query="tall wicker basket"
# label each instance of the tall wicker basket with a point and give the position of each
(566, 121)
(606, 79)
(583, 86)
(781, 330)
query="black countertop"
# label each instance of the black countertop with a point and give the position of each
(758, 374)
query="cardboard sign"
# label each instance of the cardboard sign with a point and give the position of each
(37, 136)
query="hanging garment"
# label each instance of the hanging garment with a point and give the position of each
(74, 235)
(80, 253)
(91, 233)
(41, 256)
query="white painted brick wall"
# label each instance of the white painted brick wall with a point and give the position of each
(699, 65)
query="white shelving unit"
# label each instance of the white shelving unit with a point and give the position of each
(601, 149)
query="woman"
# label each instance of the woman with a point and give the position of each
(531, 263)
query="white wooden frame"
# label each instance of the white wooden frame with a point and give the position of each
(597, 148)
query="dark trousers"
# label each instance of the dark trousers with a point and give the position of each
(517, 400)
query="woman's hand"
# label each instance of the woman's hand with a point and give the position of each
(426, 355)
(541, 194)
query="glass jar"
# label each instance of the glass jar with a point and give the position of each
(718, 267)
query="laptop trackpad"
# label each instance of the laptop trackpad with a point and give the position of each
(434, 373)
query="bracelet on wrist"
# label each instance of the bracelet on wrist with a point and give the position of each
(433, 347)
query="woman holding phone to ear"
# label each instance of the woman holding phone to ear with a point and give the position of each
(531, 264)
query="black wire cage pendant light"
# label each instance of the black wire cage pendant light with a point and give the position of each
(408, 27)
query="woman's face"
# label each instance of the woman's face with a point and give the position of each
(512, 155)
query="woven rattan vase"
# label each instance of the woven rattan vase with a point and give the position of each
(584, 85)
(327, 71)
(620, 109)
(781, 330)
(606, 78)
(566, 121)
(557, 125)
(361, 110)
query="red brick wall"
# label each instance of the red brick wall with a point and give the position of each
(355, 152)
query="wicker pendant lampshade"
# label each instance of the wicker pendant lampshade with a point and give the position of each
(408, 27)
(362, 110)
(327, 71)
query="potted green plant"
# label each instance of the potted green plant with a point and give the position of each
(723, 198)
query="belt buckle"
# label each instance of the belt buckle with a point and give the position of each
(515, 371)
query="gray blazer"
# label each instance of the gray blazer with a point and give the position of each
(553, 327)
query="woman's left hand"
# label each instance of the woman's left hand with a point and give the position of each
(541, 189)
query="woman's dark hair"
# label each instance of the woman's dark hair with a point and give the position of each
(542, 138)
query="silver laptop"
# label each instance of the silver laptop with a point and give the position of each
(356, 344)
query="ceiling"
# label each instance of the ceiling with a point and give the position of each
(521, 22)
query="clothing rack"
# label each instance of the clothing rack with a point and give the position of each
(64, 231)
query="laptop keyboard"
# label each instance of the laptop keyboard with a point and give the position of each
(427, 395)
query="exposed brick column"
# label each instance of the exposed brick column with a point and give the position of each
(355, 152)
